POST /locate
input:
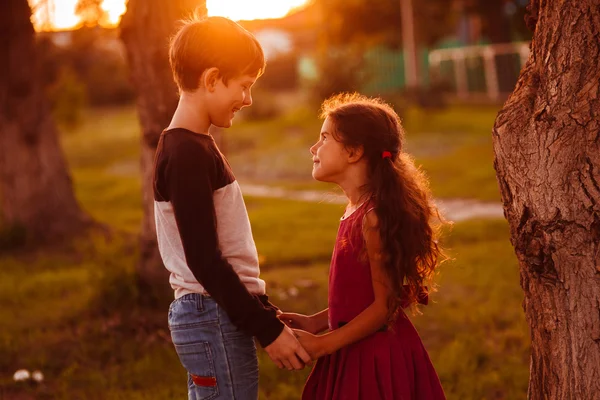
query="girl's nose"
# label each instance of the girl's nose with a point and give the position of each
(313, 149)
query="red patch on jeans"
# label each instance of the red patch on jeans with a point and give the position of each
(204, 381)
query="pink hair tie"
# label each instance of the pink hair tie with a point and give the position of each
(386, 154)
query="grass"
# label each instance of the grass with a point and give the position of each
(305, 242)
(453, 146)
(74, 312)
(75, 317)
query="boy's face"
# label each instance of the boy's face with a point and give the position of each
(226, 100)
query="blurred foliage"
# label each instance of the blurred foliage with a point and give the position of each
(379, 22)
(502, 20)
(68, 98)
(356, 25)
(353, 26)
(92, 57)
(264, 105)
(341, 69)
(281, 73)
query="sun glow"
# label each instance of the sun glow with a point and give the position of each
(61, 13)
(252, 9)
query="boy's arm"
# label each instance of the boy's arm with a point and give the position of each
(264, 299)
(190, 191)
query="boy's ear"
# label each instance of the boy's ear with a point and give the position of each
(355, 154)
(210, 78)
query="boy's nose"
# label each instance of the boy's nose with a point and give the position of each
(313, 149)
(248, 100)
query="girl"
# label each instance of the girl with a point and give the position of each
(385, 250)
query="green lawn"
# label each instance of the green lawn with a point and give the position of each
(74, 312)
(74, 315)
(453, 146)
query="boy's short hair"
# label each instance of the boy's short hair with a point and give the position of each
(213, 42)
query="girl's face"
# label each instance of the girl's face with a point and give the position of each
(330, 158)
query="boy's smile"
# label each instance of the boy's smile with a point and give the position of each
(226, 100)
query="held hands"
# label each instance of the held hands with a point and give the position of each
(305, 329)
(287, 352)
(316, 346)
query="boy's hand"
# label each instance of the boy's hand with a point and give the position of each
(315, 345)
(287, 352)
(299, 321)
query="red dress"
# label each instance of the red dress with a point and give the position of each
(388, 365)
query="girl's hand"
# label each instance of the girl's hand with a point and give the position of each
(314, 345)
(299, 321)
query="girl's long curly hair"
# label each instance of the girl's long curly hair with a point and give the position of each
(409, 221)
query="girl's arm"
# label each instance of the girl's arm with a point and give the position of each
(321, 320)
(313, 324)
(373, 317)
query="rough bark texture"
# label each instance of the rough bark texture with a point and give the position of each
(35, 187)
(547, 146)
(146, 29)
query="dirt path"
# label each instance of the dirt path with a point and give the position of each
(453, 209)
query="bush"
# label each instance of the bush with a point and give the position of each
(68, 98)
(340, 70)
(264, 105)
(281, 73)
(92, 58)
(107, 80)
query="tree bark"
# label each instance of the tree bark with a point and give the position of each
(36, 191)
(146, 29)
(547, 147)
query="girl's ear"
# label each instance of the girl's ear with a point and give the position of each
(355, 154)
(210, 77)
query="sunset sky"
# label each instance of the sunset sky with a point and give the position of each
(65, 18)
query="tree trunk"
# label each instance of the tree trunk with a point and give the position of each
(36, 191)
(146, 29)
(547, 147)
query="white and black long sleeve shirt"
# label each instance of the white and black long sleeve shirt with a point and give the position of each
(204, 233)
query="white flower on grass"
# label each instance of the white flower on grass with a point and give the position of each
(305, 283)
(282, 295)
(21, 375)
(37, 376)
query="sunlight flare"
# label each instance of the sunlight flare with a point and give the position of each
(61, 13)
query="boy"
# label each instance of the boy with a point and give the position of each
(204, 234)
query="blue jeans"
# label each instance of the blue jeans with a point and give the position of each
(220, 359)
